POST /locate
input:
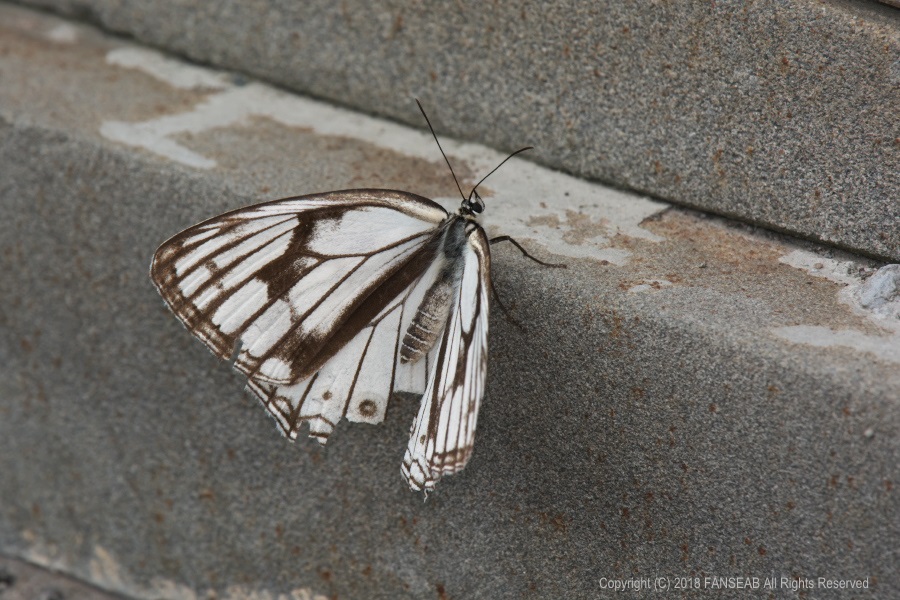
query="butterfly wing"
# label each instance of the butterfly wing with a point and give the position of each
(360, 379)
(285, 285)
(443, 432)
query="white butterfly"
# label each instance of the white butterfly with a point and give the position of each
(330, 303)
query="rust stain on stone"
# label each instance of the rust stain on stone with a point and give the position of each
(80, 73)
(580, 228)
(735, 261)
(277, 156)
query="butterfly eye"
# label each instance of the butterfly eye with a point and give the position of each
(477, 206)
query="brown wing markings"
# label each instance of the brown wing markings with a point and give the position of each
(166, 280)
(359, 365)
(201, 321)
(397, 347)
(296, 419)
(175, 247)
(196, 320)
(397, 339)
(439, 459)
(436, 403)
(358, 198)
(293, 419)
(403, 277)
(273, 292)
(292, 339)
(172, 257)
(279, 275)
(267, 394)
(303, 235)
(268, 397)
(306, 223)
(459, 456)
(306, 356)
(280, 286)
(221, 272)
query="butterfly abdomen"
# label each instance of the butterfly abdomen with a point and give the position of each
(429, 321)
(432, 313)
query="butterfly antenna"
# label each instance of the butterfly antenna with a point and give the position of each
(442, 150)
(519, 151)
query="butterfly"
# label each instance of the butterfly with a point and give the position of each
(329, 303)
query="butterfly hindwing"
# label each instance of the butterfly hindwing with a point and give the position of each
(443, 432)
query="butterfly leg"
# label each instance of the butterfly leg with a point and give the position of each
(506, 238)
(503, 308)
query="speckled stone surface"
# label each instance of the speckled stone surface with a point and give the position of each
(692, 397)
(780, 114)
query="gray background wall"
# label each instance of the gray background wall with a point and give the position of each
(778, 113)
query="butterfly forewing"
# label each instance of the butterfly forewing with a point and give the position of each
(282, 277)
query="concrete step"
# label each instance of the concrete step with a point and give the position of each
(20, 580)
(779, 114)
(691, 398)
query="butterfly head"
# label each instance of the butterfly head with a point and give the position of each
(473, 205)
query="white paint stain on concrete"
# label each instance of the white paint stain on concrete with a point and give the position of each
(63, 34)
(884, 347)
(839, 271)
(524, 191)
(41, 553)
(106, 572)
(880, 294)
(649, 285)
(175, 73)
(875, 297)
(150, 137)
(874, 294)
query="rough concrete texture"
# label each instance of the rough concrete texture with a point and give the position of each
(692, 398)
(22, 581)
(777, 113)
